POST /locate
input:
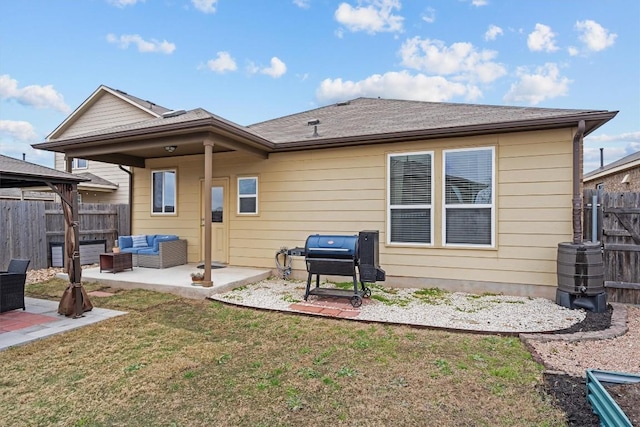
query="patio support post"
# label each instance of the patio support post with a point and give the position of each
(208, 174)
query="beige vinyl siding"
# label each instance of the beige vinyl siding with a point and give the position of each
(343, 191)
(107, 111)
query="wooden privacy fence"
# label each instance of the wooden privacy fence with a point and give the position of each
(28, 229)
(617, 226)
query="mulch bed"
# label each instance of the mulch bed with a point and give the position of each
(570, 393)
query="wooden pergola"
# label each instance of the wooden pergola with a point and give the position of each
(16, 173)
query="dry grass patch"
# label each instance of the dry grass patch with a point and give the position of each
(182, 362)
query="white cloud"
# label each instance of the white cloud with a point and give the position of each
(594, 36)
(493, 32)
(17, 129)
(376, 16)
(573, 51)
(533, 88)
(124, 3)
(223, 63)
(542, 39)
(276, 69)
(144, 46)
(206, 6)
(478, 3)
(630, 137)
(398, 85)
(303, 4)
(429, 16)
(32, 95)
(462, 60)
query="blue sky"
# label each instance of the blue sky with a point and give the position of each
(254, 60)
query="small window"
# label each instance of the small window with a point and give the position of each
(410, 194)
(163, 190)
(468, 197)
(248, 195)
(79, 163)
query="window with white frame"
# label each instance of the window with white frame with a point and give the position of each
(163, 191)
(79, 163)
(468, 197)
(248, 195)
(410, 195)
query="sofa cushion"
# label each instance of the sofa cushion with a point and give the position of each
(125, 242)
(162, 238)
(140, 241)
(147, 251)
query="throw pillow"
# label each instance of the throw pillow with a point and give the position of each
(139, 241)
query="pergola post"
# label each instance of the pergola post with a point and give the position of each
(208, 174)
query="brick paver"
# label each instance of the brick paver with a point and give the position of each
(16, 320)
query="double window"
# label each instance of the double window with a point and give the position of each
(248, 195)
(163, 192)
(467, 180)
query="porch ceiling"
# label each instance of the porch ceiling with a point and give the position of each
(135, 152)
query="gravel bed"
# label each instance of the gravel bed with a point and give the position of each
(458, 310)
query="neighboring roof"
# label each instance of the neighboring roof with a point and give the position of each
(16, 173)
(95, 182)
(371, 116)
(149, 107)
(625, 163)
(18, 194)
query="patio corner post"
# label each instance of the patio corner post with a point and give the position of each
(208, 174)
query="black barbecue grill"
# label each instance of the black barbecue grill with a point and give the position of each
(335, 255)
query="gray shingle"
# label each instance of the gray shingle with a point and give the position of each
(370, 116)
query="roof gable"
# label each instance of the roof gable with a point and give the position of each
(105, 108)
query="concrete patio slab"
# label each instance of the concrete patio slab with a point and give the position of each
(176, 280)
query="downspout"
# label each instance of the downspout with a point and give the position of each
(577, 198)
(130, 197)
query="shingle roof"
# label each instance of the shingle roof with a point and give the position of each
(18, 173)
(96, 180)
(634, 157)
(370, 116)
(142, 102)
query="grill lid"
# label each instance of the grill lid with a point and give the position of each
(331, 246)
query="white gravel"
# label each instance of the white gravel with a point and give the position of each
(495, 313)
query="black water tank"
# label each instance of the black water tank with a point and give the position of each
(580, 268)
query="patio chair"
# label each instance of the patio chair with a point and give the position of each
(12, 285)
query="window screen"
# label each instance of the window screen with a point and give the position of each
(468, 194)
(163, 190)
(410, 193)
(248, 195)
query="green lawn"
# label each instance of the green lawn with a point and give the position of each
(178, 362)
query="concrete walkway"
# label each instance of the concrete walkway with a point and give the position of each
(41, 319)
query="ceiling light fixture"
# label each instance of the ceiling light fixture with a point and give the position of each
(170, 148)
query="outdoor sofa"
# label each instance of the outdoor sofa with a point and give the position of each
(12, 285)
(154, 250)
